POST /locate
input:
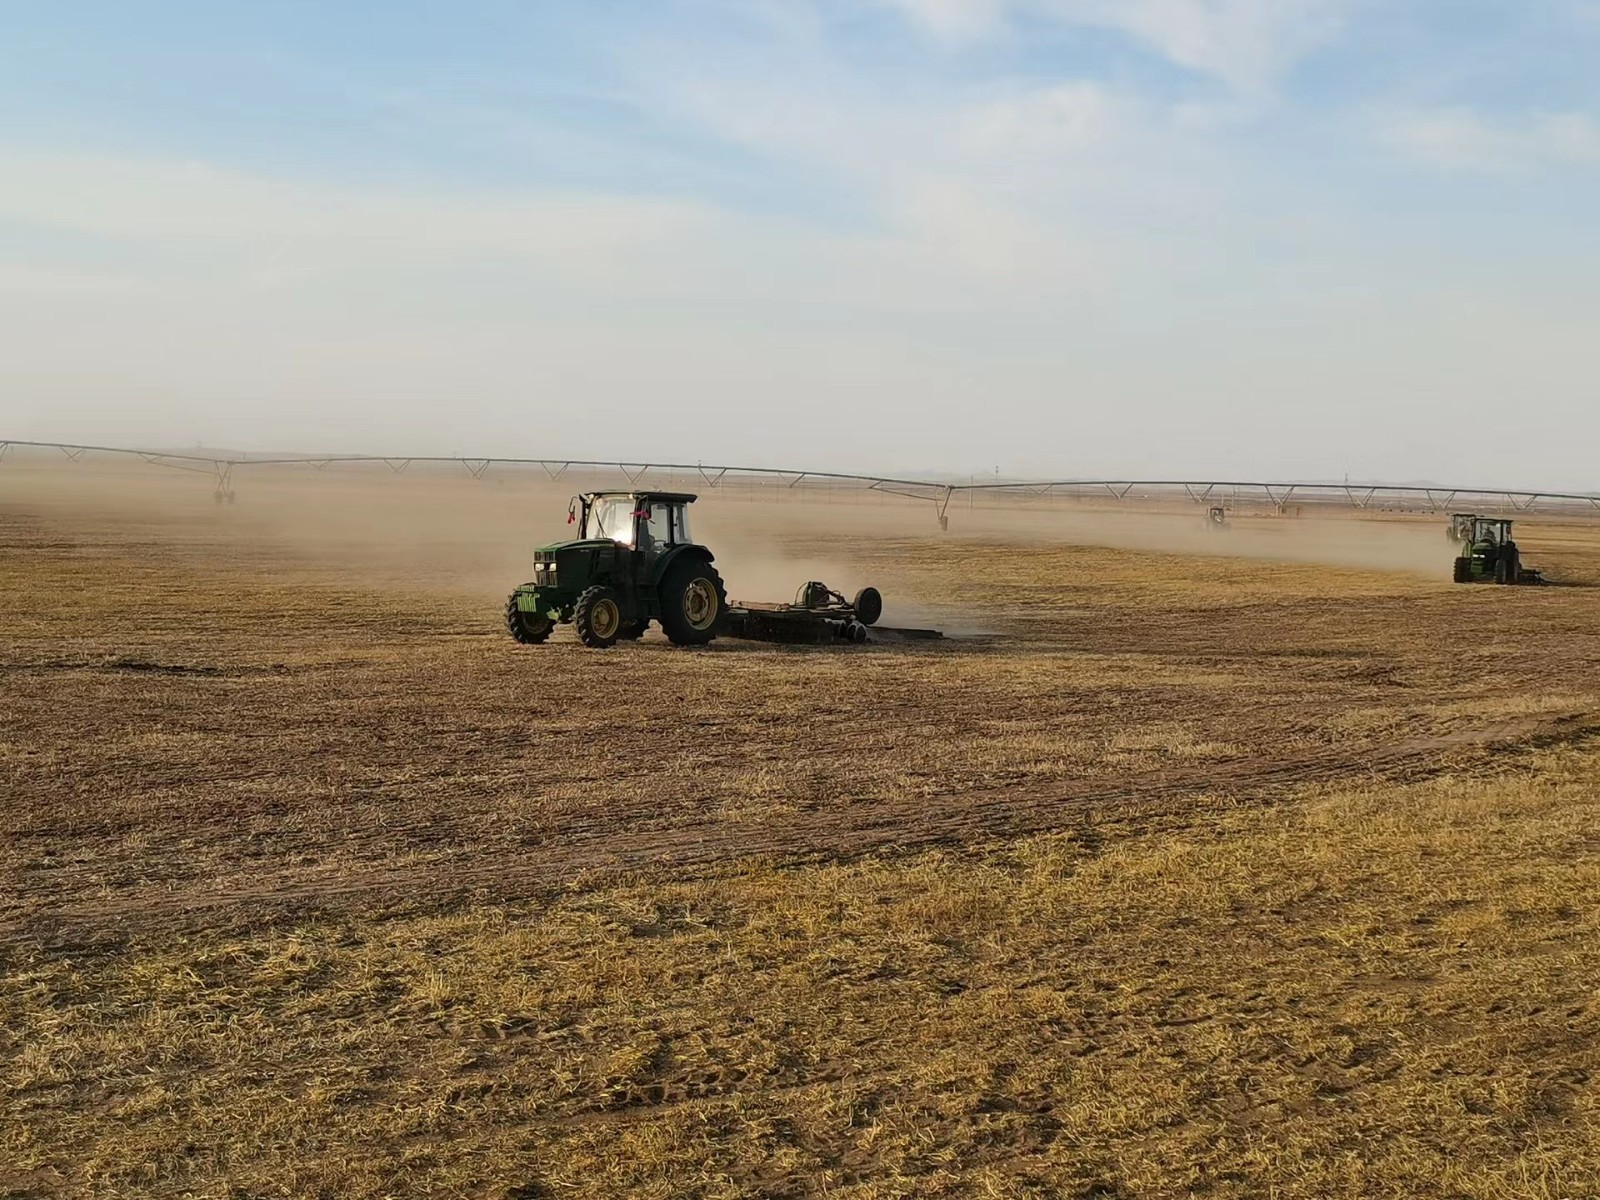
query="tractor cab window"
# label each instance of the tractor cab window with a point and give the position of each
(662, 523)
(612, 517)
(679, 517)
(652, 524)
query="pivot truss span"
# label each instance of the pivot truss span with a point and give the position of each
(1244, 495)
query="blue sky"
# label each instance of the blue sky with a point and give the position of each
(1064, 237)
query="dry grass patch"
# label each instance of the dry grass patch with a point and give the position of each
(1386, 992)
(1193, 876)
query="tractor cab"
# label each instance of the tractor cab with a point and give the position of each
(1460, 528)
(648, 522)
(1490, 554)
(1489, 531)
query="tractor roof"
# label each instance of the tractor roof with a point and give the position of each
(669, 497)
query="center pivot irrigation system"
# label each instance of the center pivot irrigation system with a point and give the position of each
(1212, 495)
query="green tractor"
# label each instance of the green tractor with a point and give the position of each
(1489, 555)
(634, 562)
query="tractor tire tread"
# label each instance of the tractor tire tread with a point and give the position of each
(673, 623)
(519, 628)
(582, 617)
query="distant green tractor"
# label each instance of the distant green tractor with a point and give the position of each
(1489, 555)
(634, 562)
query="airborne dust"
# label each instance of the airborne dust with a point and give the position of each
(440, 531)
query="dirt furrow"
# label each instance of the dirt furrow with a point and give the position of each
(851, 829)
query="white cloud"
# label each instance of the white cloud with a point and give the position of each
(992, 181)
(1461, 139)
(415, 331)
(1248, 44)
(189, 230)
(198, 204)
(874, 140)
(1037, 123)
(954, 20)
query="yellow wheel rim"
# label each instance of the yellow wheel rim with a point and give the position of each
(700, 604)
(605, 618)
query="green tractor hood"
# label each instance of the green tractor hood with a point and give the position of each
(579, 544)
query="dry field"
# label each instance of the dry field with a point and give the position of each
(1187, 870)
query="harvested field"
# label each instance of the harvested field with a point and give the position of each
(1229, 864)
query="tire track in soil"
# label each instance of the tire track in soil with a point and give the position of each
(851, 830)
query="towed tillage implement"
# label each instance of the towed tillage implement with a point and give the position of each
(818, 615)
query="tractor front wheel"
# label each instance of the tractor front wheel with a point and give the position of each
(1463, 571)
(598, 618)
(693, 603)
(528, 628)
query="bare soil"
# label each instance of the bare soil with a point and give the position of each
(291, 822)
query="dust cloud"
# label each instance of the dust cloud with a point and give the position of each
(1409, 544)
(1383, 542)
(439, 530)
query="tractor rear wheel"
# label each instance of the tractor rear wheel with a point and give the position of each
(528, 628)
(1463, 572)
(693, 602)
(598, 618)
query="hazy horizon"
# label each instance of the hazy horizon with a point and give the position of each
(1250, 239)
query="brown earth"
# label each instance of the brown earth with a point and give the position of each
(1176, 873)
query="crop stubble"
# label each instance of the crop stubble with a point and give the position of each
(221, 732)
